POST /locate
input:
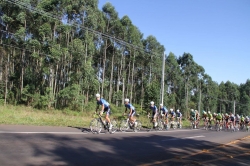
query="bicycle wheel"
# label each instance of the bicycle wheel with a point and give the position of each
(95, 126)
(138, 125)
(167, 126)
(160, 125)
(192, 125)
(114, 126)
(124, 126)
(217, 128)
(149, 126)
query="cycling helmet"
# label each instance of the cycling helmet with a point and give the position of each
(97, 95)
(178, 111)
(192, 110)
(171, 109)
(126, 100)
(209, 112)
(152, 102)
(161, 105)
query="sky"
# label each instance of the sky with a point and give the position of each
(215, 32)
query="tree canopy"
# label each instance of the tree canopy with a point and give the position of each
(60, 53)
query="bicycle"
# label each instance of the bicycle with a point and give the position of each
(166, 124)
(192, 123)
(126, 125)
(158, 125)
(97, 124)
(178, 122)
(218, 126)
(173, 124)
(247, 126)
(205, 123)
(242, 125)
(209, 124)
(230, 126)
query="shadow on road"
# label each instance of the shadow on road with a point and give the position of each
(118, 150)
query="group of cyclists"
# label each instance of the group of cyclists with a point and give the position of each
(226, 121)
(219, 119)
(162, 112)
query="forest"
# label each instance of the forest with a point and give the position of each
(57, 54)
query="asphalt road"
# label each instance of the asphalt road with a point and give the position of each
(31, 145)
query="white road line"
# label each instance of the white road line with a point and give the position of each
(173, 139)
(198, 136)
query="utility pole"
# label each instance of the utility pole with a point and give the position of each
(200, 100)
(162, 78)
(234, 107)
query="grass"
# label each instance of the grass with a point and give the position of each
(21, 115)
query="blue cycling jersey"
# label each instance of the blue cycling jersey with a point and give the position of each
(103, 102)
(172, 113)
(164, 110)
(178, 114)
(154, 109)
(129, 106)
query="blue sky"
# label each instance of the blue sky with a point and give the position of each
(215, 32)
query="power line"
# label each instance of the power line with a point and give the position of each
(122, 42)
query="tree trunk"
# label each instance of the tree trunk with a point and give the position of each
(111, 77)
(132, 78)
(104, 66)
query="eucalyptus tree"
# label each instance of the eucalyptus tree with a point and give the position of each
(136, 40)
(233, 95)
(173, 80)
(110, 17)
(210, 91)
(243, 107)
(187, 65)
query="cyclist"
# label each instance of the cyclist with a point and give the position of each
(164, 113)
(242, 121)
(172, 117)
(237, 120)
(105, 108)
(247, 122)
(219, 119)
(192, 117)
(197, 117)
(214, 117)
(172, 114)
(131, 114)
(205, 118)
(226, 120)
(179, 116)
(210, 118)
(232, 119)
(154, 112)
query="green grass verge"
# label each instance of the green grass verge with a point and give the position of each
(21, 115)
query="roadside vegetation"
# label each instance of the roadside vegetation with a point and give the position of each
(22, 115)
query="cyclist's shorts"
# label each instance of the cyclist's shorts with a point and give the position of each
(192, 118)
(133, 113)
(232, 118)
(154, 115)
(107, 110)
